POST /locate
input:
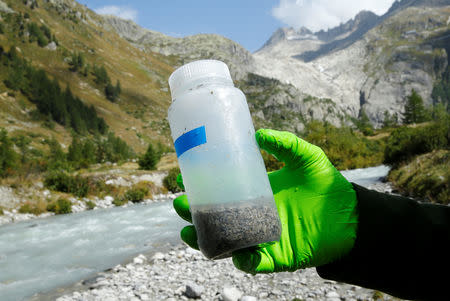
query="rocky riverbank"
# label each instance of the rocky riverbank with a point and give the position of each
(79, 205)
(184, 274)
(11, 199)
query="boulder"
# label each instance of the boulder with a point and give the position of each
(231, 293)
(51, 46)
(193, 290)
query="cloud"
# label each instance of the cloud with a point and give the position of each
(123, 12)
(324, 14)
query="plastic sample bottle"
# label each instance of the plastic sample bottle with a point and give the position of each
(229, 193)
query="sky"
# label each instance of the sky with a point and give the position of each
(248, 22)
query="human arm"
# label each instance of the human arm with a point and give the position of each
(402, 248)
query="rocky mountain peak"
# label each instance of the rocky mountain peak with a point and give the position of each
(351, 30)
(289, 34)
(190, 48)
(362, 21)
(127, 29)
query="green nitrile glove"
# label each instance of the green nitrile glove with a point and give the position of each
(316, 204)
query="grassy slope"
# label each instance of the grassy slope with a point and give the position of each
(138, 115)
(426, 176)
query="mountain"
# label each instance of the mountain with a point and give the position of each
(200, 46)
(370, 63)
(82, 51)
(307, 45)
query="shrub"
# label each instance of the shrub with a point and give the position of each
(61, 181)
(135, 195)
(58, 181)
(344, 147)
(90, 205)
(1, 211)
(405, 142)
(120, 201)
(61, 206)
(170, 181)
(426, 176)
(31, 208)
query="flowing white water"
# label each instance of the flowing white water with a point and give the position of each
(43, 254)
(366, 176)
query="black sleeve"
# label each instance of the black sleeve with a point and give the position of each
(402, 248)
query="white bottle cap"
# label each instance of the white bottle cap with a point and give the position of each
(194, 73)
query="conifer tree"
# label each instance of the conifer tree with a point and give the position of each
(110, 92)
(388, 120)
(414, 109)
(8, 156)
(75, 153)
(22, 142)
(56, 156)
(149, 160)
(89, 152)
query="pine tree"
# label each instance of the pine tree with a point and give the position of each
(22, 142)
(118, 88)
(80, 61)
(149, 160)
(388, 120)
(414, 109)
(101, 75)
(110, 92)
(75, 153)
(8, 156)
(89, 152)
(56, 157)
(363, 123)
(86, 70)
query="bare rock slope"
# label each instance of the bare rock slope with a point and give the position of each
(370, 62)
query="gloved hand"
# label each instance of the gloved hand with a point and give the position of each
(316, 204)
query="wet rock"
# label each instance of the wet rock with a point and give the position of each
(248, 298)
(140, 259)
(193, 290)
(158, 256)
(333, 296)
(230, 293)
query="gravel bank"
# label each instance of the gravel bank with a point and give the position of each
(185, 274)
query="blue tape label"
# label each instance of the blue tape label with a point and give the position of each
(190, 140)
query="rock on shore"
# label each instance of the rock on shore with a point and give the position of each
(185, 274)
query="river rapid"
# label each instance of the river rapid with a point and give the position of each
(40, 255)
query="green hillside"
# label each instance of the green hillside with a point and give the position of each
(83, 50)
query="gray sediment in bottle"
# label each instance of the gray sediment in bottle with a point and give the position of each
(222, 230)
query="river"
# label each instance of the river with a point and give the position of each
(41, 255)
